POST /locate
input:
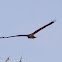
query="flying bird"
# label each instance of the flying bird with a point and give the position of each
(32, 34)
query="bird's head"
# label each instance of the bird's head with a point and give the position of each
(34, 37)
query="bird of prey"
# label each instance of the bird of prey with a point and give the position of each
(32, 34)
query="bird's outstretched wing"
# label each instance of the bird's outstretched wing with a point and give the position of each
(42, 27)
(14, 36)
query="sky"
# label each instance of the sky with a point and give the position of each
(24, 17)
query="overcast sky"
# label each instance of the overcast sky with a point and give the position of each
(24, 17)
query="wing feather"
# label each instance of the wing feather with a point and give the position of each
(14, 36)
(43, 27)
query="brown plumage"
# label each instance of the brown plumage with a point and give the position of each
(32, 34)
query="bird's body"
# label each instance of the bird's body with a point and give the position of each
(32, 34)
